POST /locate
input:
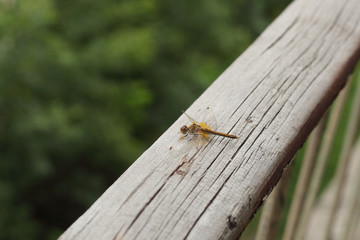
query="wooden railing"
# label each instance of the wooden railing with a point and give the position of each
(335, 213)
(272, 97)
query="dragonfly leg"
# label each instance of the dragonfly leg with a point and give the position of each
(183, 137)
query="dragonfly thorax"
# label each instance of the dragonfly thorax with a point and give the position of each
(192, 129)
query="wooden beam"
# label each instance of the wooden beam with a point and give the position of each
(272, 96)
(347, 211)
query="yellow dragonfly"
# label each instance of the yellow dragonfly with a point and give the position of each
(202, 130)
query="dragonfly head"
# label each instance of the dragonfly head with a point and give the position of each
(184, 129)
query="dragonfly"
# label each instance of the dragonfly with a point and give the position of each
(202, 130)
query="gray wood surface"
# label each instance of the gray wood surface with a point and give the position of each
(347, 212)
(271, 97)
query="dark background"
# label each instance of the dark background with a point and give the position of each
(86, 86)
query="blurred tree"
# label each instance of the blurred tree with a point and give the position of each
(86, 86)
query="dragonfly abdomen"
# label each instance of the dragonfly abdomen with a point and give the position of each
(219, 133)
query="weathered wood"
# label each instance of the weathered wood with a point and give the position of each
(347, 211)
(303, 181)
(273, 208)
(320, 166)
(271, 96)
(342, 169)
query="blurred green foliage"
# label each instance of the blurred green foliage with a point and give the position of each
(86, 86)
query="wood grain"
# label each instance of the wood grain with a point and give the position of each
(347, 211)
(271, 96)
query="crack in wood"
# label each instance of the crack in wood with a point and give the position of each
(142, 210)
(87, 223)
(207, 206)
(134, 191)
(292, 24)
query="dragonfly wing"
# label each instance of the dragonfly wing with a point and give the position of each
(191, 119)
(210, 119)
(202, 139)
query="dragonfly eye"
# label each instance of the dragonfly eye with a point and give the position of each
(184, 129)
